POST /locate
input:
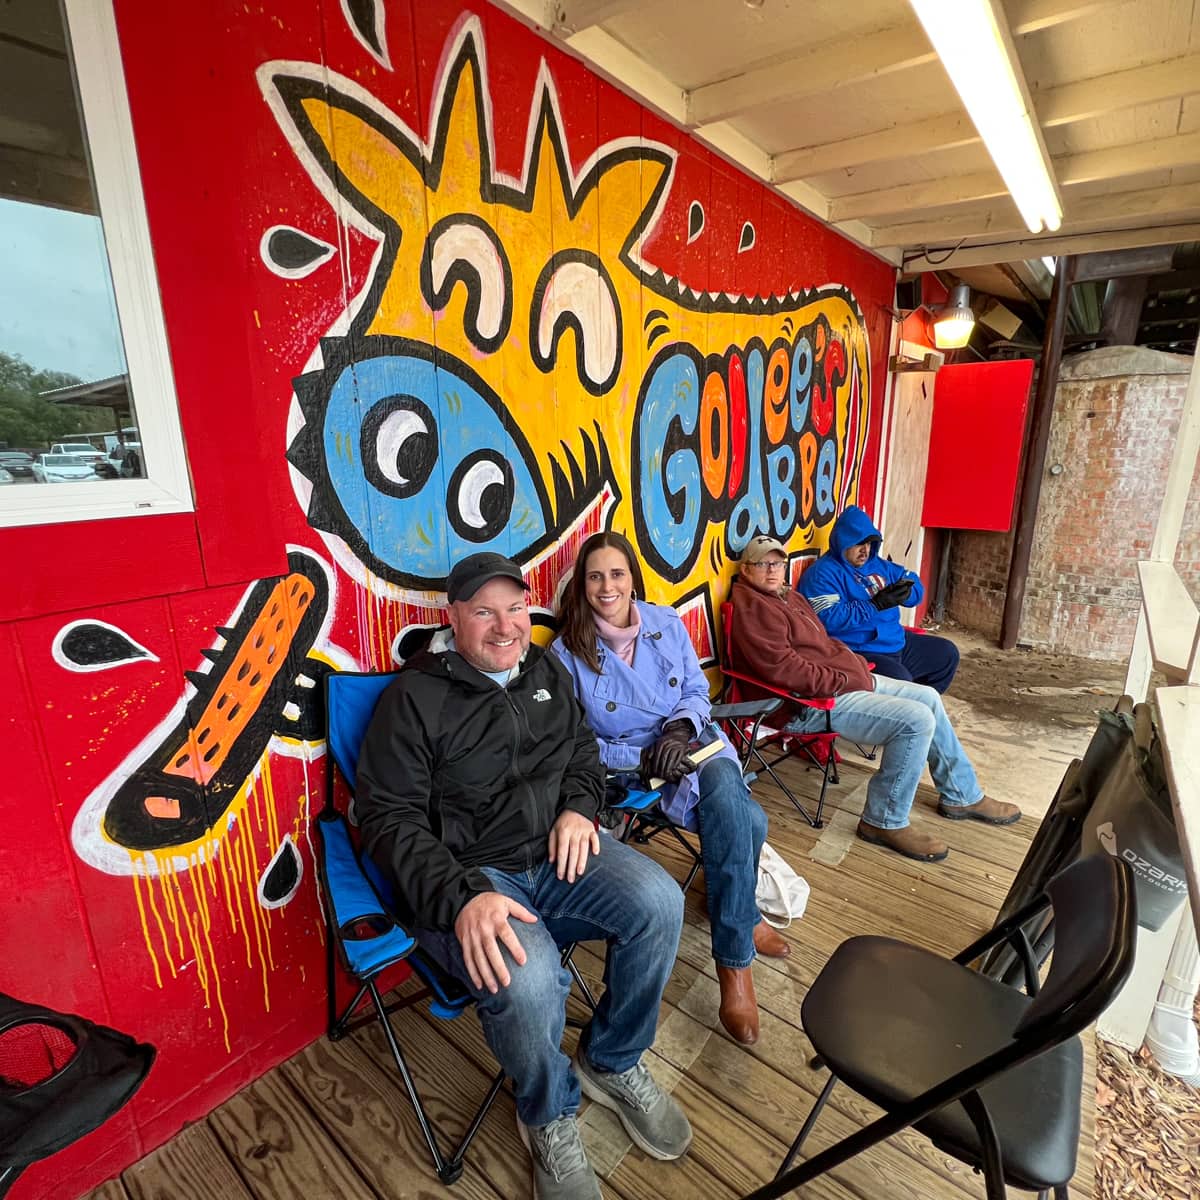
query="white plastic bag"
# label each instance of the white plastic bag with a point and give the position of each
(781, 894)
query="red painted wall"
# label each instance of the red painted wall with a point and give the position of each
(141, 816)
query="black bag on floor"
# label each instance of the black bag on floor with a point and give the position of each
(1120, 777)
(60, 1078)
(1131, 818)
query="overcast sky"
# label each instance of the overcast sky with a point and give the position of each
(56, 305)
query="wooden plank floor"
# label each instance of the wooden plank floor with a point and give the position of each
(334, 1121)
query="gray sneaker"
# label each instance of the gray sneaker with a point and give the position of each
(652, 1118)
(561, 1170)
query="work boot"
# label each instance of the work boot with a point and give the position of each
(906, 841)
(769, 942)
(993, 812)
(739, 1005)
(652, 1118)
(561, 1170)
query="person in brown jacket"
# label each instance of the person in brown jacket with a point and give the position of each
(779, 638)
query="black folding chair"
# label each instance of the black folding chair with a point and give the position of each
(991, 1075)
(365, 938)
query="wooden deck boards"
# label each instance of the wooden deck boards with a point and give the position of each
(334, 1120)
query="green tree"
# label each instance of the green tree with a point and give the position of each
(29, 421)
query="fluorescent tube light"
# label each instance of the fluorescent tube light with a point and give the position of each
(977, 54)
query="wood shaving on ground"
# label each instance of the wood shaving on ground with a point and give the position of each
(1147, 1128)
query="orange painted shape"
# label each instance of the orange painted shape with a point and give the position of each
(239, 693)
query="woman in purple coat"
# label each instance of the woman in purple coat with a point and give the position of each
(637, 676)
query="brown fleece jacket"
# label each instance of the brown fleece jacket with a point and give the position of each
(781, 640)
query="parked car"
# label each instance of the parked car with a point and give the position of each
(17, 463)
(5, 477)
(61, 468)
(83, 452)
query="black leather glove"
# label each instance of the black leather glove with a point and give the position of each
(667, 757)
(893, 595)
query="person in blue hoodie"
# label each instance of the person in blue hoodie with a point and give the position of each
(858, 596)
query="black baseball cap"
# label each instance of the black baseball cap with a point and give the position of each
(469, 575)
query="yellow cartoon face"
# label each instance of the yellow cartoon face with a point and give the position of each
(514, 364)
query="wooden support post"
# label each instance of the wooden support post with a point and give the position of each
(1035, 456)
(1123, 300)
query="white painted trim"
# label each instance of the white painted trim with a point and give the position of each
(167, 488)
(1024, 249)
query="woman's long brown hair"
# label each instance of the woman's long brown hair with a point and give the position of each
(575, 614)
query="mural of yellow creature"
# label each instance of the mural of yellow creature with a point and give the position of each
(514, 373)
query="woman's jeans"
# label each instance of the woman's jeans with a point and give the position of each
(622, 898)
(909, 721)
(732, 830)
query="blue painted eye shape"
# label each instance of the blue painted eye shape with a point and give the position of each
(479, 497)
(398, 445)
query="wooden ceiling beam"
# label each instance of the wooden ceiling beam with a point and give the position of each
(856, 59)
(1113, 162)
(1065, 105)
(574, 16)
(814, 70)
(1073, 102)
(1176, 200)
(1116, 264)
(1018, 250)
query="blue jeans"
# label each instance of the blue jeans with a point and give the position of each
(732, 830)
(623, 898)
(909, 721)
(925, 658)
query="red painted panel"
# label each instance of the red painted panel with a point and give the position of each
(98, 562)
(975, 444)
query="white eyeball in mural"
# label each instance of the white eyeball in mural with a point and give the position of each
(91, 645)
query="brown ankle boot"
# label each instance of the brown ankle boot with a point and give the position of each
(993, 812)
(769, 942)
(739, 1005)
(906, 841)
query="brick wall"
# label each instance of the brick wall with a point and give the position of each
(1116, 415)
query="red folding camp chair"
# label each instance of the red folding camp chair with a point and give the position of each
(753, 740)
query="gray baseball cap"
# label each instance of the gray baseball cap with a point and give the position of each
(469, 575)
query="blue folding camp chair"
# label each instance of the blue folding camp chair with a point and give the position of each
(364, 935)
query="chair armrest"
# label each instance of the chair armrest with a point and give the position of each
(825, 702)
(745, 708)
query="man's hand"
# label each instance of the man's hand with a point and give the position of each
(482, 924)
(571, 840)
(892, 596)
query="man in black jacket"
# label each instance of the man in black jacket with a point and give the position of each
(478, 787)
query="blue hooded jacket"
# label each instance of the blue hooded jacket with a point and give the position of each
(841, 594)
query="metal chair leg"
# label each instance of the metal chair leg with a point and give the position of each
(410, 1086)
(580, 982)
(806, 1128)
(993, 1162)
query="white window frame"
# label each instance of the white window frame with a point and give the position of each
(92, 29)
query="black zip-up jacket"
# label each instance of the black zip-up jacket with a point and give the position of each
(457, 773)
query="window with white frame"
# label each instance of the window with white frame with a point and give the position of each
(89, 426)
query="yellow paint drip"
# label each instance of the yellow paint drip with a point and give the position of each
(182, 892)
